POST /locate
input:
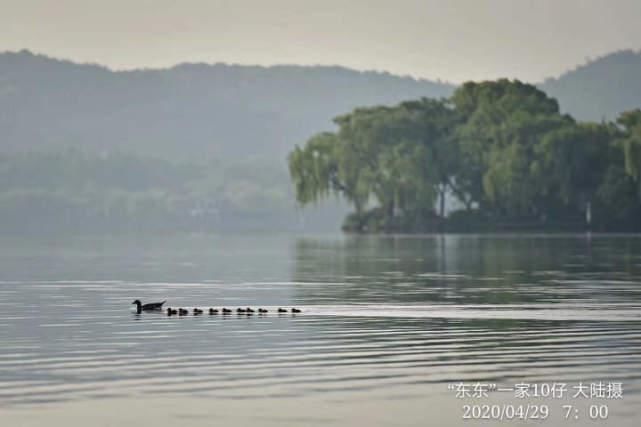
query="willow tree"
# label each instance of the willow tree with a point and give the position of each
(398, 159)
(502, 122)
(631, 121)
(395, 149)
(318, 171)
(433, 123)
(572, 163)
(502, 146)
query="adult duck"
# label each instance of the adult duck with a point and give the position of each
(152, 306)
(213, 311)
(295, 310)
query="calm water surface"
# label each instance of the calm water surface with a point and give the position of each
(388, 324)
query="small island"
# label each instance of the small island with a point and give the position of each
(495, 156)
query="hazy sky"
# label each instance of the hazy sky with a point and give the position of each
(449, 39)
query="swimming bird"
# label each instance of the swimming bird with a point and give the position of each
(226, 310)
(262, 310)
(183, 312)
(249, 310)
(152, 306)
(295, 310)
(197, 311)
(213, 311)
(171, 311)
(240, 310)
(282, 310)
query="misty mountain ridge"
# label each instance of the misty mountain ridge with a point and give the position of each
(195, 110)
(187, 111)
(601, 88)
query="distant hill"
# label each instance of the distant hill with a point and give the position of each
(600, 89)
(232, 111)
(187, 111)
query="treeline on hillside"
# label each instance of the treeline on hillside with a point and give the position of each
(80, 191)
(502, 150)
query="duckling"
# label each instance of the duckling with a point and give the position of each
(226, 310)
(295, 310)
(240, 310)
(197, 312)
(213, 311)
(282, 310)
(249, 310)
(183, 312)
(171, 311)
(262, 311)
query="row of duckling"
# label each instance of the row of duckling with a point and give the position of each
(225, 311)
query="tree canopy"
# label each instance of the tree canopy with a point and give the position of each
(501, 149)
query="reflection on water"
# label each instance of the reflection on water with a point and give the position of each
(397, 316)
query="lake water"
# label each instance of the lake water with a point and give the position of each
(392, 329)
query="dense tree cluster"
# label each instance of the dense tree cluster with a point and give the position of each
(501, 150)
(81, 191)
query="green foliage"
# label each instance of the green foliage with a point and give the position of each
(315, 170)
(501, 146)
(573, 161)
(617, 206)
(631, 121)
(502, 123)
(73, 190)
(397, 158)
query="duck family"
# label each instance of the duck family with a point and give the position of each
(248, 311)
